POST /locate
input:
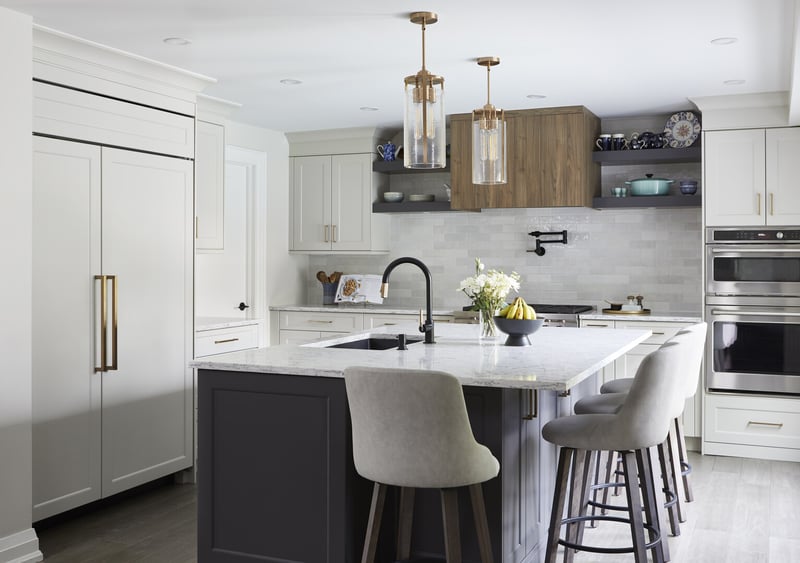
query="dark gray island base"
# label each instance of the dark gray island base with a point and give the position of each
(277, 482)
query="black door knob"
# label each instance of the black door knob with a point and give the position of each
(242, 306)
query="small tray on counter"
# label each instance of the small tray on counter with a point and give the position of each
(621, 312)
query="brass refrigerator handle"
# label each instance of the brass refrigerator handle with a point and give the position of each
(333, 233)
(327, 231)
(533, 405)
(758, 197)
(771, 203)
(103, 322)
(114, 346)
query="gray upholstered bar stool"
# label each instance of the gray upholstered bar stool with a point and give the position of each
(411, 430)
(677, 439)
(642, 422)
(693, 338)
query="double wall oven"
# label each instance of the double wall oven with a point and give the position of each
(753, 310)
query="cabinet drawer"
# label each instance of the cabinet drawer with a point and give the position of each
(221, 340)
(72, 114)
(597, 324)
(757, 421)
(391, 319)
(321, 322)
(661, 331)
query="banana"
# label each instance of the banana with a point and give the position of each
(521, 310)
(533, 313)
(512, 311)
(528, 313)
(504, 311)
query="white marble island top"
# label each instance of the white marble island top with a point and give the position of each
(558, 358)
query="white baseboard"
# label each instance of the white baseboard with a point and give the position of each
(22, 547)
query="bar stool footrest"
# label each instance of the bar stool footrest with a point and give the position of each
(595, 549)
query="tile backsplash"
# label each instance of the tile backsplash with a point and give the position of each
(610, 254)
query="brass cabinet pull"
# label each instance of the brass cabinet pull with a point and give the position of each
(333, 230)
(588, 325)
(226, 340)
(772, 424)
(319, 321)
(114, 346)
(327, 233)
(104, 366)
(103, 322)
(758, 197)
(771, 203)
(533, 405)
(658, 334)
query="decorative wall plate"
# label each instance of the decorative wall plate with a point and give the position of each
(682, 129)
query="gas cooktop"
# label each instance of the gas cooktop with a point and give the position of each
(561, 309)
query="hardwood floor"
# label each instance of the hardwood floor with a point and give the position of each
(746, 511)
(155, 525)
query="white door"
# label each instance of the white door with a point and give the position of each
(147, 245)
(311, 203)
(351, 203)
(221, 278)
(734, 185)
(783, 167)
(66, 389)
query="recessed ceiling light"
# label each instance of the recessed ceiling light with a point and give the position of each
(368, 108)
(177, 41)
(536, 96)
(724, 41)
(733, 82)
(291, 81)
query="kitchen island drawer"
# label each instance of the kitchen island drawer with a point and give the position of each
(755, 421)
(322, 322)
(221, 340)
(662, 331)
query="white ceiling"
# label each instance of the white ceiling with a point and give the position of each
(617, 57)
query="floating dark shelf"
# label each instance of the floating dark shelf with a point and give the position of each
(412, 207)
(647, 201)
(396, 167)
(647, 156)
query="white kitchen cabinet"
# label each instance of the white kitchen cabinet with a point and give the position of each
(377, 320)
(750, 177)
(242, 336)
(100, 428)
(209, 186)
(332, 205)
(627, 365)
(749, 426)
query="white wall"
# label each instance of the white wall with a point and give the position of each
(18, 541)
(285, 272)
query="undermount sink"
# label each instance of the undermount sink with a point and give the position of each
(374, 343)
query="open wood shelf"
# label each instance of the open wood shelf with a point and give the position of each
(647, 156)
(647, 201)
(396, 167)
(413, 207)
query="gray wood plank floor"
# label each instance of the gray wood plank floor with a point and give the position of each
(746, 511)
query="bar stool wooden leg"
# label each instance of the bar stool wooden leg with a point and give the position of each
(653, 501)
(630, 471)
(559, 496)
(405, 520)
(374, 523)
(674, 510)
(584, 486)
(683, 460)
(452, 539)
(481, 523)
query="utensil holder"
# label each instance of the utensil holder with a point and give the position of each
(329, 293)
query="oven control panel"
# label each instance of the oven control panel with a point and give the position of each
(753, 235)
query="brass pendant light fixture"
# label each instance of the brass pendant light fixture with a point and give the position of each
(424, 124)
(489, 137)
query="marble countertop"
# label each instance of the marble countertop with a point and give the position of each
(558, 358)
(652, 317)
(360, 308)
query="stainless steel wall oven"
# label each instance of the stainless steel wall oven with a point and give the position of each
(753, 310)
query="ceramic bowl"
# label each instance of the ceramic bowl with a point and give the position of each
(393, 197)
(688, 187)
(518, 329)
(649, 186)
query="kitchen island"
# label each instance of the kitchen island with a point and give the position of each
(275, 469)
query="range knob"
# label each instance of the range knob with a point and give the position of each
(779, 235)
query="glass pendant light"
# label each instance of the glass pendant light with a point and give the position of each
(424, 124)
(489, 137)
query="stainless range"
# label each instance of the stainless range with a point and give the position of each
(753, 310)
(560, 315)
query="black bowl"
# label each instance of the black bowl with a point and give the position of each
(518, 329)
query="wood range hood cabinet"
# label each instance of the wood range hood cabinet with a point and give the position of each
(549, 160)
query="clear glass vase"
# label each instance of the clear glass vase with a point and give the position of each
(486, 321)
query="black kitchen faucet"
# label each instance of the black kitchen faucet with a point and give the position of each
(427, 325)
